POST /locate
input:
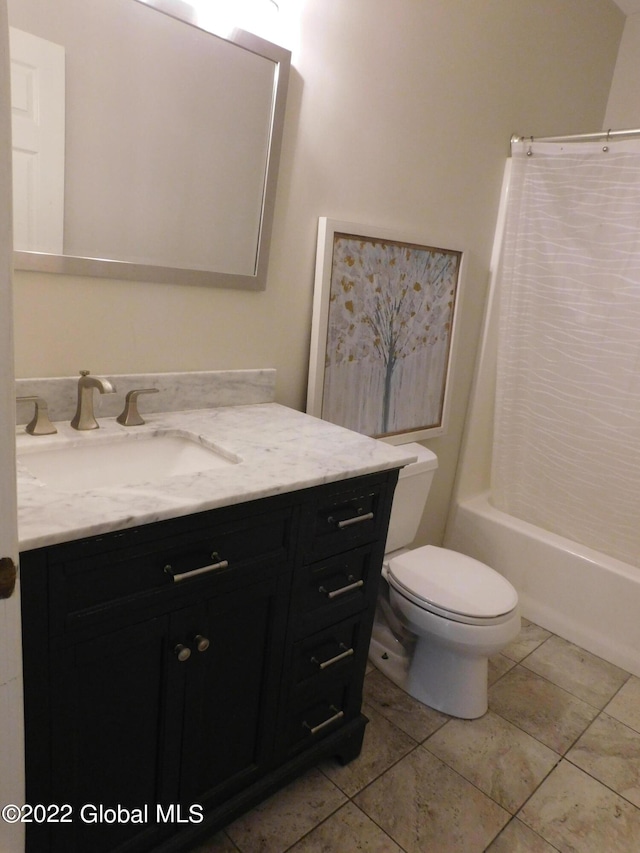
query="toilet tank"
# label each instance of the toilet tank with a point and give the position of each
(410, 497)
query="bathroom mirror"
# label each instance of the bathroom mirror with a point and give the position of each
(171, 144)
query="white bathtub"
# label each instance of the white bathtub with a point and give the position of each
(575, 592)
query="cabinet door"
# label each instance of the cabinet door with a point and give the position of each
(108, 711)
(231, 688)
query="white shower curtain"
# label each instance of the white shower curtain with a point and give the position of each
(567, 423)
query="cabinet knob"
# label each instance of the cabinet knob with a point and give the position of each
(202, 643)
(182, 652)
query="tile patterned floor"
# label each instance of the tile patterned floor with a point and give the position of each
(554, 765)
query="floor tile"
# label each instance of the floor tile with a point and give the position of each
(530, 637)
(348, 830)
(384, 744)
(414, 718)
(220, 843)
(610, 751)
(498, 666)
(574, 812)
(518, 838)
(496, 756)
(579, 672)
(625, 705)
(540, 708)
(284, 818)
(426, 806)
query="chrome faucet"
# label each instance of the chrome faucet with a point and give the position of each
(84, 417)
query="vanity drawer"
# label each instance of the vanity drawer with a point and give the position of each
(333, 589)
(332, 653)
(316, 717)
(340, 519)
(154, 575)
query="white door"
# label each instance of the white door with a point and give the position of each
(38, 109)
(11, 726)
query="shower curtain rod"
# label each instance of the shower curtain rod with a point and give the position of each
(578, 137)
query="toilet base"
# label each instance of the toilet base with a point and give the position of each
(447, 681)
(448, 673)
(392, 663)
(430, 678)
(442, 663)
(391, 647)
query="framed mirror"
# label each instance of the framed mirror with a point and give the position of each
(167, 140)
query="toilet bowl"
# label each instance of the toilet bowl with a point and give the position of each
(440, 614)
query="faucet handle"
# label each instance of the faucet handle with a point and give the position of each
(40, 423)
(130, 416)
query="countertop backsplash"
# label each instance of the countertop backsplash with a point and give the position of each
(177, 392)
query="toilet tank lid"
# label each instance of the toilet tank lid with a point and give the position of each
(453, 581)
(426, 461)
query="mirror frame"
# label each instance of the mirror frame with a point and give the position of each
(128, 271)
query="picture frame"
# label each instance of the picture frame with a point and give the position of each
(383, 329)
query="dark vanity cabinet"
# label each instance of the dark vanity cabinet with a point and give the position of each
(178, 672)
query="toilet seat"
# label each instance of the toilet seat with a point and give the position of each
(452, 585)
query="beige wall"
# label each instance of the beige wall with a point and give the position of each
(399, 115)
(623, 108)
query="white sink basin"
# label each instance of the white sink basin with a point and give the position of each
(98, 462)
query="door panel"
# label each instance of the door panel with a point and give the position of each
(107, 729)
(38, 112)
(11, 730)
(227, 692)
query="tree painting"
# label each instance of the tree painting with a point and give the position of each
(389, 334)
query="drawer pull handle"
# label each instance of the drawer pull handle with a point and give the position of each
(325, 663)
(183, 576)
(338, 715)
(343, 589)
(355, 520)
(202, 643)
(182, 652)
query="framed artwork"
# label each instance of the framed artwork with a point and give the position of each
(382, 332)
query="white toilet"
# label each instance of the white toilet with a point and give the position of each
(440, 614)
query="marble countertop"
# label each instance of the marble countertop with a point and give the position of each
(279, 450)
